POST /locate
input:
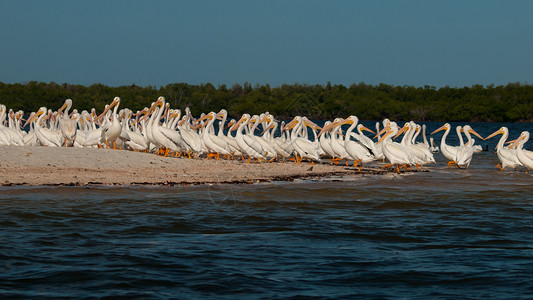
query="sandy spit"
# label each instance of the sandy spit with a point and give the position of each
(90, 166)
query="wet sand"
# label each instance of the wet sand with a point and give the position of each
(90, 166)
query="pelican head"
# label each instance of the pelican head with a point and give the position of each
(502, 130)
(388, 131)
(362, 127)
(243, 120)
(523, 136)
(34, 116)
(328, 126)
(405, 127)
(469, 129)
(310, 124)
(292, 123)
(67, 105)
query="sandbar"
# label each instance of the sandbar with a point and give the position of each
(36, 165)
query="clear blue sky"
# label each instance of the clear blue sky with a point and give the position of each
(455, 43)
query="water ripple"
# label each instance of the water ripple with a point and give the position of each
(443, 234)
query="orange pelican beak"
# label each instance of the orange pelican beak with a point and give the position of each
(270, 126)
(62, 108)
(236, 125)
(363, 127)
(443, 127)
(209, 115)
(404, 129)
(312, 125)
(290, 125)
(515, 142)
(264, 119)
(230, 123)
(33, 117)
(472, 131)
(329, 127)
(499, 131)
(382, 131)
(389, 132)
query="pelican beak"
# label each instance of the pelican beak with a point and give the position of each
(236, 125)
(472, 131)
(499, 131)
(270, 126)
(329, 127)
(365, 128)
(264, 119)
(515, 142)
(346, 121)
(443, 127)
(62, 107)
(230, 123)
(385, 135)
(219, 115)
(32, 117)
(209, 115)
(290, 125)
(312, 125)
(324, 129)
(382, 131)
(404, 129)
(103, 113)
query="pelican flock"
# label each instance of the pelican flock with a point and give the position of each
(252, 138)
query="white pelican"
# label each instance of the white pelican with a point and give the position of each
(464, 155)
(93, 136)
(284, 142)
(356, 149)
(111, 131)
(214, 143)
(67, 125)
(506, 156)
(419, 150)
(433, 147)
(395, 153)
(303, 146)
(248, 144)
(138, 140)
(337, 144)
(164, 137)
(11, 136)
(450, 152)
(270, 150)
(46, 136)
(30, 139)
(524, 156)
(190, 137)
(276, 141)
(324, 139)
(232, 142)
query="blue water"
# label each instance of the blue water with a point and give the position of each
(448, 233)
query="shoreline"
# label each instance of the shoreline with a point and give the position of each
(60, 166)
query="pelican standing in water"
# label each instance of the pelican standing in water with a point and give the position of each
(524, 156)
(506, 156)
(465, 154)
(450, 152)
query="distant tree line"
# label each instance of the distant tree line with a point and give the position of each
(505, 103)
